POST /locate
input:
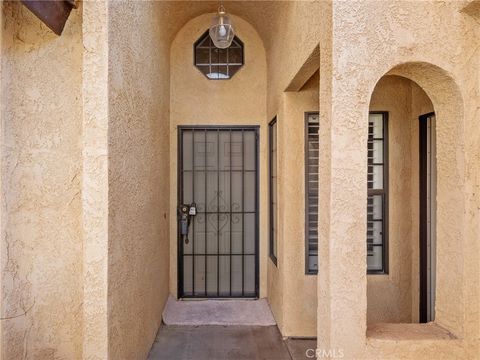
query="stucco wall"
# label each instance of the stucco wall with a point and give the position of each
(276, 277)
(291, 39)
(393, 297)
(95, 180)
(138, 176)
(436, 52)
(292, 36)
(42, 159)
(299, 292)
(41, 166)
(195, 100)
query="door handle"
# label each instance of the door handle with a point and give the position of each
(185, 213)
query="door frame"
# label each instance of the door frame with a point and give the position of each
(180, 129)
(424, 253)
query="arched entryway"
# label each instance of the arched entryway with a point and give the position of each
(215, 126)
(415, 200)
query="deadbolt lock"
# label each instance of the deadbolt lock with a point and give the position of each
(185, 212)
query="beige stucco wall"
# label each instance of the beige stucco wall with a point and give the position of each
(195, 100)
(276, 275)
(125, 178)
(95, 180)
(41, 167)
(65, 179)
(400, 33)
(290, 39)
(84, 182)
(299, 292)
(393, 297)
(115, 98)
(138, 176)
(289, 43)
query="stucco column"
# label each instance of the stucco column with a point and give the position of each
(325, 114)
(341, 316)
(95, 179)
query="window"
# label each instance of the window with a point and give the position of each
(272, 150)
(312, 127)
(377, 203)
(215, 63)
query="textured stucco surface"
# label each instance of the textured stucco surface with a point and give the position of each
(95, 180)
(41, 165)
(404, 40)
(393, 297)
(289, 47)
(195, 100)
(138, 168)
(85, 203)
(299, 317)
(85, 156)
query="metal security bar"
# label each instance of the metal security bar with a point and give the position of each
(273, 201)
(377, 201)
(218, 171)
(215, 63)
(312, 126)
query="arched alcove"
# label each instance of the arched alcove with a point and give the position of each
(408, 94)
(196, 100)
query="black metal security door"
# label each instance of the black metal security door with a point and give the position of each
(218, 172)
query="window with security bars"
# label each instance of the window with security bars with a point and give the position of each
(272, 145)
(377, 200)
(312, 127)
(215, 63)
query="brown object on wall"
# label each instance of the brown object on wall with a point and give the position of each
(53, 13)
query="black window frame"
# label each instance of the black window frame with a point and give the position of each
(385, 196)
(273, 211)
(424, 297)
(309, 271)
(198, 65)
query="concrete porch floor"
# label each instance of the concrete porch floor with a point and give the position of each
(215, 342)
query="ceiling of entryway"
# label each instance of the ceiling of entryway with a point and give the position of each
(265, 16)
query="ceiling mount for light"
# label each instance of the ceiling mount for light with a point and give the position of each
(221, 31)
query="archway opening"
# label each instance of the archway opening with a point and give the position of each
(394, 174)
(415, 172)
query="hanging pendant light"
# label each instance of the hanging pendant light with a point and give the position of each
(221, 31)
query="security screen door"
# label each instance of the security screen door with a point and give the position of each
(218, 172)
